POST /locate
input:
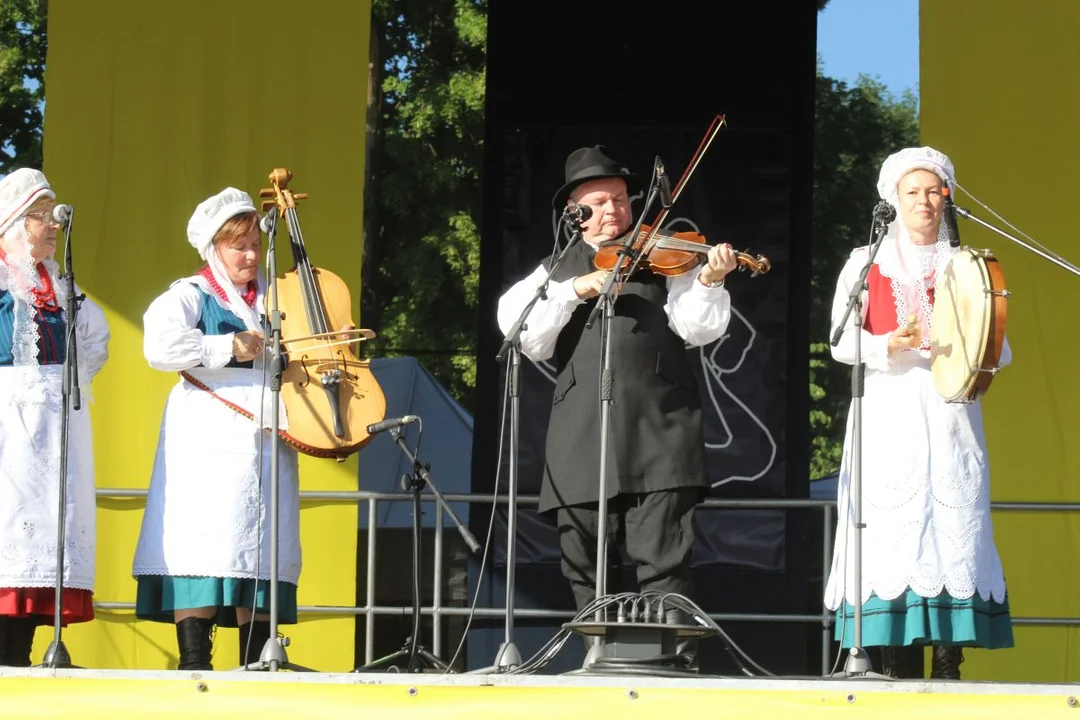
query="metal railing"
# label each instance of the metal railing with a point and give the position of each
(437, 610)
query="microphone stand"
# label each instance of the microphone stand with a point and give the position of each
(858, 663)
(606, 303)
(962, 212)
(57, 656)
(508, 655)
(273, 656)
(414, 482)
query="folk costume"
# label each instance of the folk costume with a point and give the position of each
(33, 347)
(931, 574)
(205, 538)
(656, 469)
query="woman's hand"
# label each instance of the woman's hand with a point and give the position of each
(905, 338)
(247, 345)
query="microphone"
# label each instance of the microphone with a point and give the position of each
(266, 222)
(578, 212)
(951, 231)
(884, 212)
(378, 427)
(63, 213)
(664, 184)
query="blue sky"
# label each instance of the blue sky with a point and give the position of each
(879, 38)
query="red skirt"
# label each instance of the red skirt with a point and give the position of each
(41, 603)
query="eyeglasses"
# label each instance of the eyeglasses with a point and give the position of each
(45, 218)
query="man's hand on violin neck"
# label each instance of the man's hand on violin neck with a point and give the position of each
(587, 286)
(721, 261)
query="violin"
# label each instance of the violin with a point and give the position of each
(669, 254)
(329, 394)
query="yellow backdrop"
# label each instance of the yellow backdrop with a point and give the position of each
(1000, 93)
(150, 108)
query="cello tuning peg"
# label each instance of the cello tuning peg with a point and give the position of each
(266, 192)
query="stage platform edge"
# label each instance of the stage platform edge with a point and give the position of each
(115, 695)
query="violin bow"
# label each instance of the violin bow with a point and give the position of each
(714, 128)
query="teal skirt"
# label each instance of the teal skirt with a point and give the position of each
(912, 619)
(159, 595)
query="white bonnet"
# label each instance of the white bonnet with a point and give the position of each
(899, 164)
(18, 191)
(212, 213)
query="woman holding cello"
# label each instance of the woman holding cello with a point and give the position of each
(203, 556)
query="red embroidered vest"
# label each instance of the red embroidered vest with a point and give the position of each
(881, 308)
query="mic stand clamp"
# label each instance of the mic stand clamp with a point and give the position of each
(508, 655)
(858, 663)
(57, 655)
(414, 483)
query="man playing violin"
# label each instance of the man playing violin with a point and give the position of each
(656, 465)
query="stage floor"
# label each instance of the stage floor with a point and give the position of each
(44, 693)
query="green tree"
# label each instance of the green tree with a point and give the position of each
(856, 128)
(422, 210)
(23, 44)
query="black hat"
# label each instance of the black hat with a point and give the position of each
(592, 163)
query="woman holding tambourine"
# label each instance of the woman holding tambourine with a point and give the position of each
(931, 574)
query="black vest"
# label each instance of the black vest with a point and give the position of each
(654, 439)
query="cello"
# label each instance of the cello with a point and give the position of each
(330, 395)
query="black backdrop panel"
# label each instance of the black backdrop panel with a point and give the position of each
(648, 85)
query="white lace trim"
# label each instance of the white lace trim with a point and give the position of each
(18, 278)
(895, 256)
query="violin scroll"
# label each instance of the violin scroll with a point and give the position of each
(757, 265)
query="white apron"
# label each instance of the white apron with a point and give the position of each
(30, 409)
(207, 508)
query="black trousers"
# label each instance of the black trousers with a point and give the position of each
(656, 529)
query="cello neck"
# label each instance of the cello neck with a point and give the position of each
(285, 201)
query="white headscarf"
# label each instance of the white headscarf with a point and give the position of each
(19, 190)
(897, 258)
(207, 219)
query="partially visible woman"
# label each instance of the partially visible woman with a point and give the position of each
(203, 555)
(33, 346)
(931, 571)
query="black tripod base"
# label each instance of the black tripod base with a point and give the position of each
(398, 662)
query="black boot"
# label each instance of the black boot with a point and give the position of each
(945, 664)
(259, 632)
(17, 640)
(903, 663)
(195, 638)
